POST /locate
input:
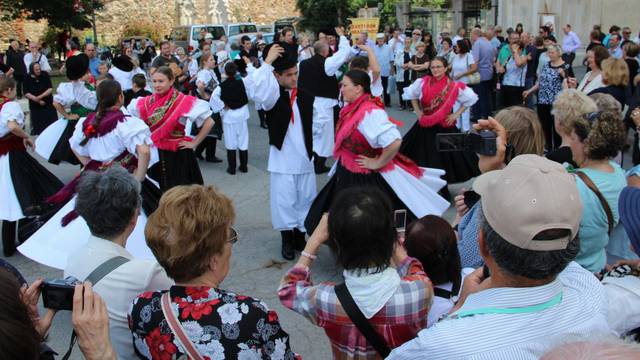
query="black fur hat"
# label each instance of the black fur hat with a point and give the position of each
(77, 66)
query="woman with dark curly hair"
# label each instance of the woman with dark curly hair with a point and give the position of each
(598, 137)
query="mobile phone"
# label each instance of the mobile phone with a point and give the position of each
(58, 294)
(470, 198)
(400, 218)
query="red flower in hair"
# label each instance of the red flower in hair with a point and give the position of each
(160, 346)
(89, 131)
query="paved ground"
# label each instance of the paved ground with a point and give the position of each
(257, 266)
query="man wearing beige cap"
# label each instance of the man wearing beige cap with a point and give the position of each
(531, 296)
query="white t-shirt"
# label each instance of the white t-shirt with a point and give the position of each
(376, 86)
(460, 65)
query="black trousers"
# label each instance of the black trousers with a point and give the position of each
(568, 58)
(551, 137)
(385, 96)
(511, 95)
(482, 108)
(400, 87)
(19, 84)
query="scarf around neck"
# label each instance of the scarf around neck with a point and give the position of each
(372, 291)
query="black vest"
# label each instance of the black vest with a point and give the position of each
(279, 116)
(233, 93)
(315, 80)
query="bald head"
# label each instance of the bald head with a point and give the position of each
(90, 50)
(321, 47)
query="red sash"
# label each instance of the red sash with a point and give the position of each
(162, 113)
(350, 143)
(10, 141)
(438, 98)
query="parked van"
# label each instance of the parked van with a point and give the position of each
(187, 36)
(291, 22)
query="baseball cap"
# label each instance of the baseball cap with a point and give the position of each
(380, 36)
(208, 36)
(530, 195)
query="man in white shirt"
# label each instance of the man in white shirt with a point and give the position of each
(530, 296)
(385, 56)
(109, 202)
(34, 55)
(397, 41)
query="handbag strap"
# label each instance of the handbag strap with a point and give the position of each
(96, 275)
(177, 330)
(361, 322)
(605, 205)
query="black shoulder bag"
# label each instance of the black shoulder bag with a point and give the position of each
(96, 275)
(360, 321)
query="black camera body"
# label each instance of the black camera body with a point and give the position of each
(480, 142)
(58, 294)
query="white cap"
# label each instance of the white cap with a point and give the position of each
(380, 36)
(208, 36)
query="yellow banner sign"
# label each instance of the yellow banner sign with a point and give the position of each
(368, 25)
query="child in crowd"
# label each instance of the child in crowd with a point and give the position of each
(138, 89)
(230, 99)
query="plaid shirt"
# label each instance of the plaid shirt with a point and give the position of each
(400, 320)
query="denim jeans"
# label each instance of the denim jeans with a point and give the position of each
(528, 84)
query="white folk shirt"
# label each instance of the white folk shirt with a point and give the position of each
(228, 115)
(118, 288)
(323, 107)
(580, 315)
(292, 158)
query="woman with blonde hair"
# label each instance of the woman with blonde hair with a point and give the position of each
(615, 76)
(570, 106)
(305, 48)
(192, 237)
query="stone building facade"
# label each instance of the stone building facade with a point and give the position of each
(162, 15)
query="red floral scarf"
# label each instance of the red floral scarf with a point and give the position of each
(438, 98)
(162, 113)
(350, 143)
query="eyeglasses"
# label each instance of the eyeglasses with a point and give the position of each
(234, 236)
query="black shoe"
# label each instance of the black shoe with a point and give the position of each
(213, 159)
(231, 160)
(287, 244)
(299, 240)
(211, 151)
(244, 158)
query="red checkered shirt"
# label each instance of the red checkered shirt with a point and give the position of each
(400, 320)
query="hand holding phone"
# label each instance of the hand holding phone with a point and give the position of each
(400, 219)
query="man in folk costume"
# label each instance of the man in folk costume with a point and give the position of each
(318, 77)
(289, 118)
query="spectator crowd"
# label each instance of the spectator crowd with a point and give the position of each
(542, 259)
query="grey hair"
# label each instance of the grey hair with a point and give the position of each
(320, 46)
(107, 201)
(555, 47)
(530, 264)
(607, 348)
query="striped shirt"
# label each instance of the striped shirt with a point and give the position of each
(397, 322)
(581, 314)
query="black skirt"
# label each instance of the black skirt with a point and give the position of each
(216, 130)
(62, 150)
(32, 182)
(150, 194)
(41, 117)
(176, 168)
(344, 179)
(419, 144)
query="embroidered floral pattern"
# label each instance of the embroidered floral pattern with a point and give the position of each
(221, 325)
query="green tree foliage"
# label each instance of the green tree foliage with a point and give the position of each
(318, 14)
(61, 14)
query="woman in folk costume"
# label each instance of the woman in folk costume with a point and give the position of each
(366, 154)
(433, 98)
(103, 139)
(206, 82)
(166, 112)
(230, 99)
(23, 181)
(78, 96)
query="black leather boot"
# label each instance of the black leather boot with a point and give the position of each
(231, 160)
(211, 150)
(287, 244)
(244, 158)
(263, 118)
(9, 229)
(200, 149)
(300, 239)
(318, 164)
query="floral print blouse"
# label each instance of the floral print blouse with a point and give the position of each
(221, 325)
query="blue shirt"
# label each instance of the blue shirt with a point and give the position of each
(616, 53)
(93, 66)
(483, 53)
(385, 57)
(468, 231)
(594, 227)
